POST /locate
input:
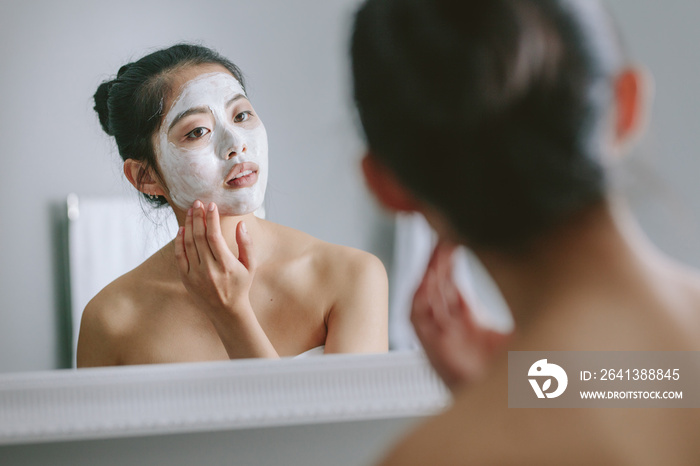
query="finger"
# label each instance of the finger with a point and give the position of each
(445, 265)
(442, 255)
(462, 312)
(444, 260)
(199, 229)
(420, 297)
(439, 266)
(427, 330)
(245, 247)
(430, 270)
(190, 246)
(420, 305)
(422, 317)
(215, 238)
(180, 255)
(437, 302)
(457, 303)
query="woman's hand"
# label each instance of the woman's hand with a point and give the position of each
(458, 348)
(219, 282)
(215, 278)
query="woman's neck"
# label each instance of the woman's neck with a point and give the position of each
(253, 225)
(601, 251)
(229, 223)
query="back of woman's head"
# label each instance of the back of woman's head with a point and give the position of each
(491, 111)
(131, 106)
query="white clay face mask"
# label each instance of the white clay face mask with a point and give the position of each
(223, 158)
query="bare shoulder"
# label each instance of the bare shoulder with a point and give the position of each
(351, 272)
(352, 277)
(357, 320)
(107, 319)
(479, 428)
(462, 434)
(333, 261)
(348, 263)
(352, 286)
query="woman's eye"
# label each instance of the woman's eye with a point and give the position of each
(197, 133)
(243, 116)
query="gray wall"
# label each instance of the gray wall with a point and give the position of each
(293, 52)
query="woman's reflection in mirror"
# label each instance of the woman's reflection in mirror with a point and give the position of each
(230, 285)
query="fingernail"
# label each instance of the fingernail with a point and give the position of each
(181, 231)
(244, 229)
(189, 212)
(212, 206)
(197, 205)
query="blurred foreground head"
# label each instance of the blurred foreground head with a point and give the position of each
(498, 113)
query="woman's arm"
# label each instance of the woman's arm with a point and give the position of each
(219, 282)
(358, 320)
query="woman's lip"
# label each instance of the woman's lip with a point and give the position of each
(244, 181)
(240, 168)
(238, 177)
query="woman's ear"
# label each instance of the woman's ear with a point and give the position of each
(388, 190)
(142, 178)
(633, 96)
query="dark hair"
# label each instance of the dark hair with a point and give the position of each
(491, 111)
(130, 106)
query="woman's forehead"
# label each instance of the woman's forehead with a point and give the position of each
(181, 78)
(207, 87)
(182, 75)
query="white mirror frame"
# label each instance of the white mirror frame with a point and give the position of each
(103, 403)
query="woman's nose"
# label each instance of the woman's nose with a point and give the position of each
(231, 144)
(237, 150)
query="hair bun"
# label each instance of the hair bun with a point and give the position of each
(123, 70)
(101, 107)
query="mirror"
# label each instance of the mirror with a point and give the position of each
(297, 80)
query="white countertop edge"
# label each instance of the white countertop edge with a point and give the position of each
(194, 397)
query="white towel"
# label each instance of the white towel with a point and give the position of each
(317, 351)
(413, 246)
(107, 237)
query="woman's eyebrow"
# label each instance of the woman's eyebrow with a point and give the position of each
(234, 98)
(191, 111)
(202, 109)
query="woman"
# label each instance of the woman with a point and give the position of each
(499, 121)
(230, 285)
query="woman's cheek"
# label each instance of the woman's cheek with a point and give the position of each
(205, 171)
